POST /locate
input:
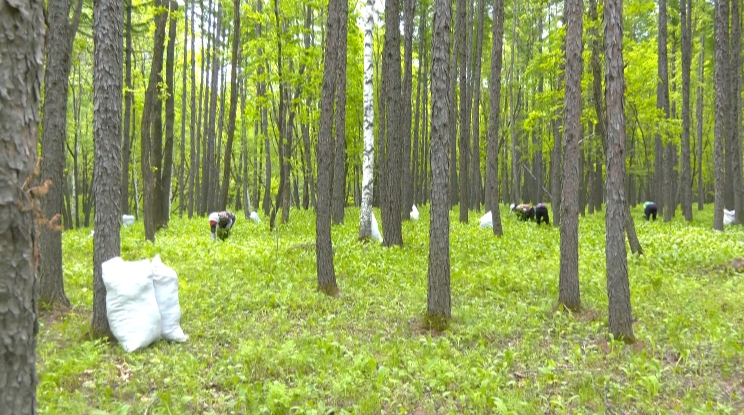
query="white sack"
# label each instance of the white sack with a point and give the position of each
(131, 307)
(127, 220)
(375, 229)
(728, 216)
(254, 217)
(486, 221)
(165, 281)
(414, 213)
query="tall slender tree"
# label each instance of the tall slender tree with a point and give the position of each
(721, 102)
(21, 69)
(233, 104)
(182, 166)
(108, 20)
(439, 308)
(685, 9)
(699, 118)
(492, 149)
(338, 191)
(476, 178)
(166, 173)
(618, 289)
(464, 138)
(368, 158)
(406, 115)
(126, 142)
(663, 193)
(54, 136)
(734, 133)
(568, 286)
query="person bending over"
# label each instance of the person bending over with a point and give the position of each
(524, 211)
(541, 213)
(221, 223)
(650, 209)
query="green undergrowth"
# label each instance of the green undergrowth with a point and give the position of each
(263, 339)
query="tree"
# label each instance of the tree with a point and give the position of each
(685, 9)
(21, 68)
(721, 86)
(108, 20)
(568, 285)
(182, 167)
(699, 117)
(338, 191)
(368, 161)
(476, 178)
(734, 132)
(166, 170)
(492, 149)
(439, 308)
(54, 136)
(323, 246)
(663, 193)
(129, 102)
(464, 139)
(618, 289)
(233, 105)
(407, 179)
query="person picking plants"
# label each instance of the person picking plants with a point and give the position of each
(221, 223)
(650, 209)
(524, 211)
(541, 214)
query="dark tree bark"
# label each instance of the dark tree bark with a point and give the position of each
(170, 117)
(699, 117)
(662, 102)
(211, 137)
(148, 127)
(261, 92)
(406, 116)
(128, 102)
(516, 188)
(685, 179)
(476, 178)
(721, 102)
(338, 191)
(182, 166)
(454, 191)
(492, 149)
(734, 133)
(108, 16)
(417, 164)
(618, 287)
(307, 169)
(464, 139)
(568, 285)
(439, 308)
(233, 105)
(323, 246)
(194, 144)
(21, 70)
(53, 158)
(390, 207)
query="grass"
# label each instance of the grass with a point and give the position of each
(264, 340)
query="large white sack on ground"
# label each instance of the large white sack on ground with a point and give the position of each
(165, 281)
(131, 307)
(414, 213)
(254, 217)
(127, 220)
(486, 221)
(728, 216)
(375, 229)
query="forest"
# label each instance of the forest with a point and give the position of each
(358, 144)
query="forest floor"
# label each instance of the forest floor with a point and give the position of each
(264, 340)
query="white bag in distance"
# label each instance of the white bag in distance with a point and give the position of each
(376, 236)
(131, 307)
(165, 281)
(254, 217)
(728, 216)
(486, 221)
(127, 220)
(414, 213)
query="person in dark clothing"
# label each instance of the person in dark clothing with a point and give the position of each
(541, 213)
(220, 223)
(524, 211)
(650, 209)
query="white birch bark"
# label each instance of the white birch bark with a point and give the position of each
(368, 161)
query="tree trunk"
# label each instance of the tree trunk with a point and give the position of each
(368, 158)
(618, 287)
(391, 217)
(685, 179)
(699, 117)
(194, 144)
(464, 143)
(182, 166)
(128, 102)
(494, 118)
(338, 191)
(476, 179)
(147, 162)
(233, 105)
(568, 285)
(454, 192)
(22, 67)
(108, 16)
(170, 116)
(516, 195)
(211, 138)
(54, 135)
(734, 133)
(721, 102)
(439, 308)
(662, 102)
(307, 169)
(323, 246)
(406, 116)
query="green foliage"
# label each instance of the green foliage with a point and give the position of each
(264, 340)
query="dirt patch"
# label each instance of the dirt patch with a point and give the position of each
(737, 264)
